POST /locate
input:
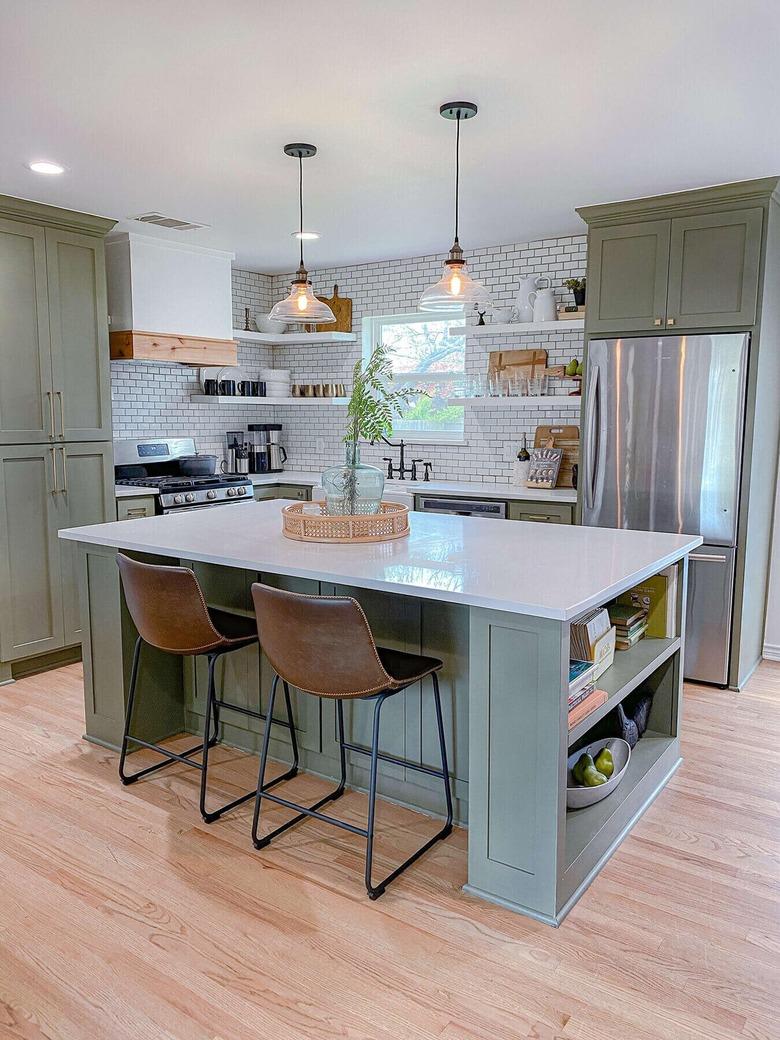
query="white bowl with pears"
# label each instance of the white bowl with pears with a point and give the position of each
(579, 796)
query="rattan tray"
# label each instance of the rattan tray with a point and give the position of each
(392, 521)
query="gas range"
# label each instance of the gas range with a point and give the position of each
(154, 463)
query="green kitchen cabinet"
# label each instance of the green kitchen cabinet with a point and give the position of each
(627, 277)
(693, 271)
(78, 326)
(31, 595)
(44, 488)
(541, 512)
(714, 261)
(26, 389)
(135, 507)
(85, 495)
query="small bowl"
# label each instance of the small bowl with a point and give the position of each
(580, 797)
(269, 325)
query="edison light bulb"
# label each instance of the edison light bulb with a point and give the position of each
(302, 302)
(455, 284)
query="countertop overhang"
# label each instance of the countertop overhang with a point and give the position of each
(545, 570)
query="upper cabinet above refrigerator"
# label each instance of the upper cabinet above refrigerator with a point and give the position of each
(687, 272)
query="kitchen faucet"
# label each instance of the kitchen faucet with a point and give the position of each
(402, 469)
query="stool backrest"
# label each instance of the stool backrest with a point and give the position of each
(167, 607)
(321, 644)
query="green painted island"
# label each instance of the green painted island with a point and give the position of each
(494, 601)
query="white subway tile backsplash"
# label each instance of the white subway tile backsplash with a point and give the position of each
(155, 399)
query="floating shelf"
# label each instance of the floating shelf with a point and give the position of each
(515, 328)
(532, 403)
(267, 402)
(280, 338)
(629, 670)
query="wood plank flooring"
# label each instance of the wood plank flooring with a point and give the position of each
(123, 916)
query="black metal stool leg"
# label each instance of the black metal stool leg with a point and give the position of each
(207, 740)
(263, 762)
(444, 764)
(293, 736)
(342, 749)
(374, 893)
(129, 712)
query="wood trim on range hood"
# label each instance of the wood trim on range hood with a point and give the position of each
(130, 345)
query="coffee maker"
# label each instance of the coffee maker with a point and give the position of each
(266, 454)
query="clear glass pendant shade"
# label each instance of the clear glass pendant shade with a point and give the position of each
(302, 305)
(455, 286)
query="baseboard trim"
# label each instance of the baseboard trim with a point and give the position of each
(771, 652)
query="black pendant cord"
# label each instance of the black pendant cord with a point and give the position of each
(457, 174)
(300, 200)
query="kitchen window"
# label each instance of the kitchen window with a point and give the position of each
(425, 356)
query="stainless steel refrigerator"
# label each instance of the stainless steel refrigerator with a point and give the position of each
(662, 447)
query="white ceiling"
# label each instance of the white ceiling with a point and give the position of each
(183, 106)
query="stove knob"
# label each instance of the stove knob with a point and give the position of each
(189, 497)
(231, 492)
(178, 499)
(211, 494)
(242, 490)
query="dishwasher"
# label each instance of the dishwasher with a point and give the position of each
(462, 506)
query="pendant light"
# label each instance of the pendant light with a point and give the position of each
(301, 304)
(456, 284)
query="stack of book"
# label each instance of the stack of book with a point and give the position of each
(657, 596)
(583, 695)
(630, 624)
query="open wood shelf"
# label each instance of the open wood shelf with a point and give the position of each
(629, 670)
(583, 825)
(513, 328)
(280, 338)
(266, 402)
(532, 403)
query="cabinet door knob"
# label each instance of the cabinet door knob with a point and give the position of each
(670, 321)
(658, 321)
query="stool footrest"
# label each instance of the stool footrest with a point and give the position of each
(183, 757)
(417, 768)
(303, 811)
(250, 712)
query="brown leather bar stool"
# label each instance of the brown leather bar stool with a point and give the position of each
(170, 613)
(324, 646)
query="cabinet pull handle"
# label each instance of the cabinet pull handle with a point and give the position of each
(537, 516)
(64, 487)
(658, 321)
(62, 415)
(670, 321)
(52, 432)
(54, 489)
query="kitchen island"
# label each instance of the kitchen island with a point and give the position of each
(493, 601)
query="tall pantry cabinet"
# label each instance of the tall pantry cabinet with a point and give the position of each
(56, 466)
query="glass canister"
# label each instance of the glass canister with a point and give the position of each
(352, 488)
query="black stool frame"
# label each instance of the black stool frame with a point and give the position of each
(213, 705)
(374, 891)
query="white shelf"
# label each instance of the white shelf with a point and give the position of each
(516, 327)
(266, 401)
(280, 338)
(533, 403)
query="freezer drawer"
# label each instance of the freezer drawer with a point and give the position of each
(708, 617)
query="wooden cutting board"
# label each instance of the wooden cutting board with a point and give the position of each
(342, 309)
(566, 437)
(526, 363)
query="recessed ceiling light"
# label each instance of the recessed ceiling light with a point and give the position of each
(305, 236)
(51, 169)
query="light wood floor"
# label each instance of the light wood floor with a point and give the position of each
(123, 916)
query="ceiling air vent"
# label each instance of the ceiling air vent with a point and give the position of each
(169, 222)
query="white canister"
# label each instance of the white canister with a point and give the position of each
(526, 294)
(520, 473)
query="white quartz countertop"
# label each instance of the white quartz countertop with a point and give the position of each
(462, 489)
(546, 570)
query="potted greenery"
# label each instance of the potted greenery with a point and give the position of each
(354, 488)
(577, 286)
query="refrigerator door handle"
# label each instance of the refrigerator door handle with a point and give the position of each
(707, 558)
(590, 434)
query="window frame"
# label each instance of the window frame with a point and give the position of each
(371, 330)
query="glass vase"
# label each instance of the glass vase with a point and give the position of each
(352, 488)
